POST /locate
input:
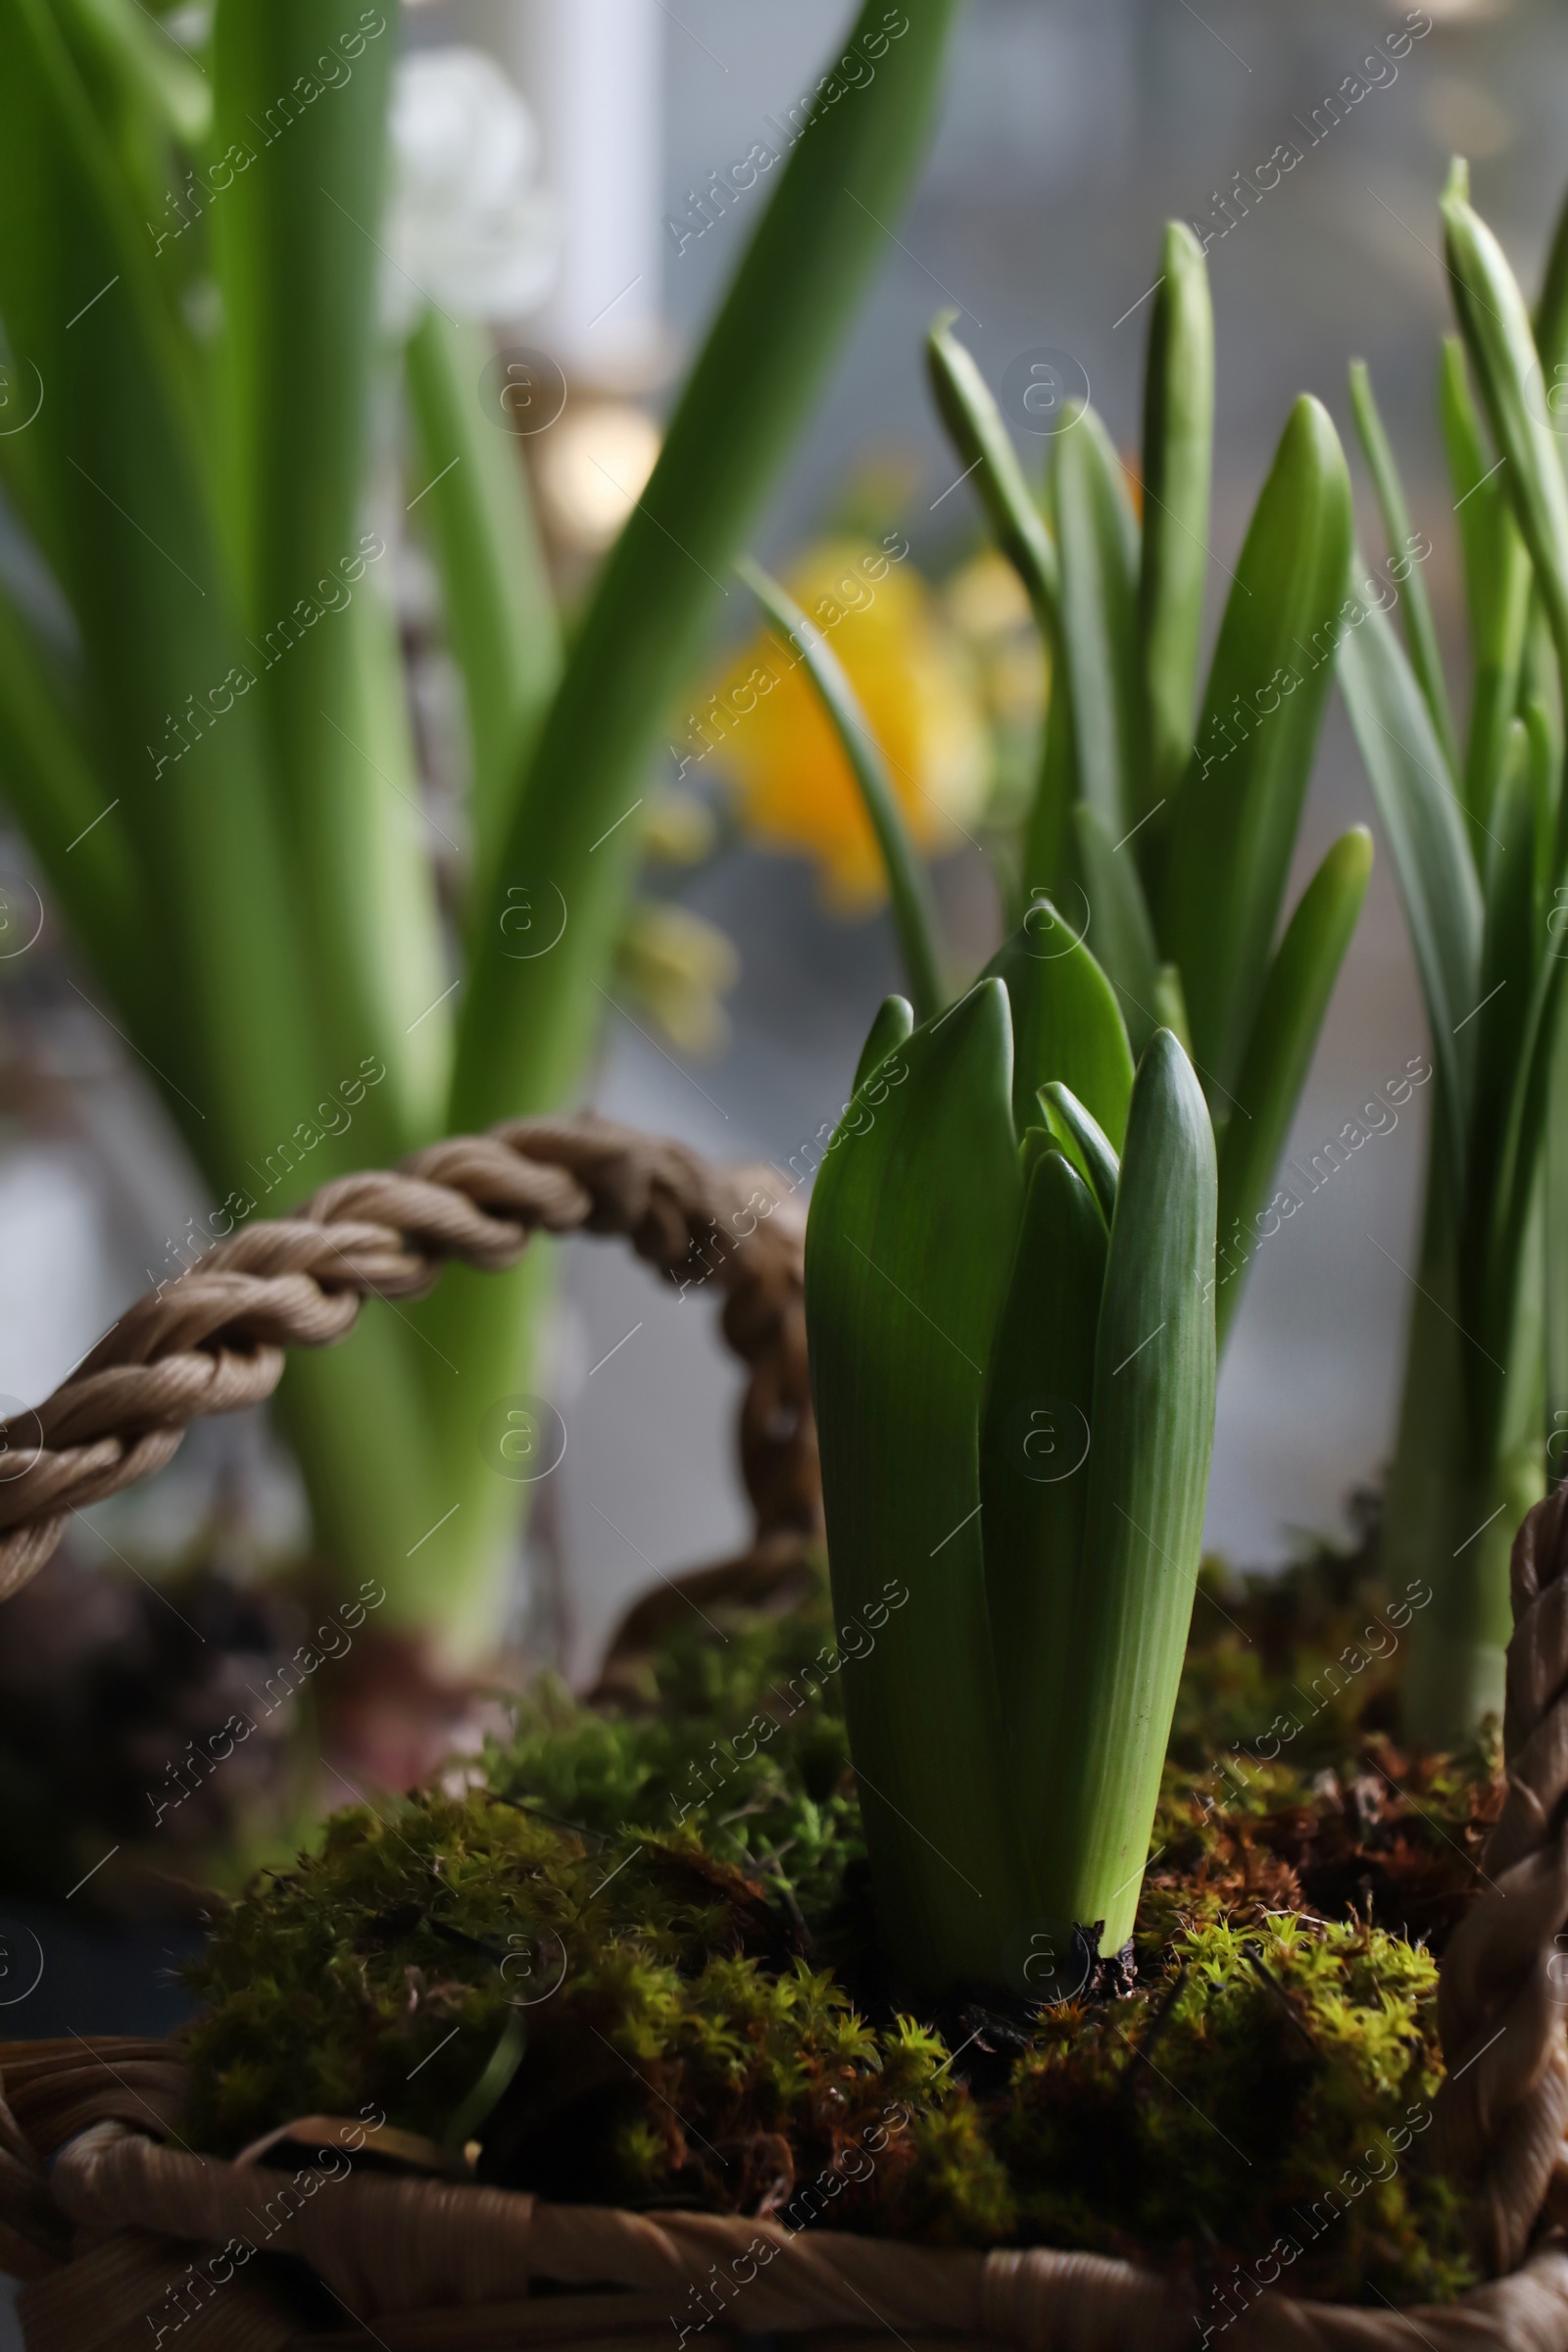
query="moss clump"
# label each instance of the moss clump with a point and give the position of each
(737, 1725)
(630, 1964)
(666, 2043)
(1271, 2085)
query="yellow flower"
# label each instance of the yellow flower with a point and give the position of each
(987, 606)
(676, 965)
(914, 681)
(679, 828)
(985, 597)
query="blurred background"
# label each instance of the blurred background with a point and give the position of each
(1071, 131)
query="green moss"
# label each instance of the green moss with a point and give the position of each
(1274, 2082)
(667, 2058)
(674, 1894)
(739, 1726)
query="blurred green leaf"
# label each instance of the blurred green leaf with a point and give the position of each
(1420, 631)
(1426, 830)
(1545, 772)
(1279, 1052)
(386, 911)
(81, 306)
(49, 785)
(1178, 454)
(1119, 921)
(499, 607)
(1508, 951)
(1097, 541)
(1169, 1006)
(914, 908)
(147, 68)
(296, 259)
(1498, 337)
(1050, 846)
(525, 1025)
(1496, 582)
(984, 448)
(1239, 810)
(1551, 310)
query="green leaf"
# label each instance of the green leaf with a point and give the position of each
(914, 907)
(527, 1026)
(498, 608)
(1495, 326)
(1426, 837)
(1169, 1006)
(893, 1024)
(131, 46)
(1098, 1759)
(150, 599)
(1496, 582)
(1048, 845)
(296, 259)
(1420, 631)
(1097, 539)
(49, 785)
(1505, 989)
(1118, 921)
(1178, 453)
(983, 447)
(499, 2069)
(1555, 1284)
(1472, 475)
(1551, 310)
(1510, 939)
(295, 252)
(1034, 1460)
(1500, 1214)
(1235, 819)
(1085, 1142)
(387, 916)
(120, 487)
(1279, 1052)
(908, 1245)
(1545, 768)
(1065, 1022)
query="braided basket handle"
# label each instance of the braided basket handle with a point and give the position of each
(1502, 1998)
(213, 1341)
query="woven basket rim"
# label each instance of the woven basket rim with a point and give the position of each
(217, 1340)
(644, 2276)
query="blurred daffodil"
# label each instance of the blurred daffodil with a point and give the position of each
(915, 683)
(675, 965)
(986, 603)
(468, 225)
(678, 827)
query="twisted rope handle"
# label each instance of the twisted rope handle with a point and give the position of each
(1502, 1998)
(213, 1341)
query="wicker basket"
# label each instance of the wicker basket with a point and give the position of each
(127, 2239)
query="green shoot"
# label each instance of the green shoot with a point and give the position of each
(914, 912)
(1014, 1393)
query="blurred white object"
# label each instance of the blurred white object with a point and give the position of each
(55, 1281)
(469, 228)
(594, 71)
(592, 472)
